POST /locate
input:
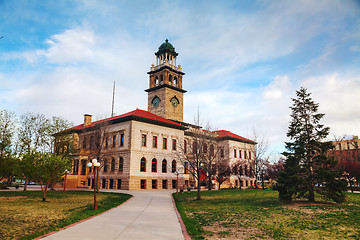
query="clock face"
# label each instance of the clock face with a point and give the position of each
(156, 102)
(174, 102)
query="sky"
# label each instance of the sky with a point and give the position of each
(243, 60)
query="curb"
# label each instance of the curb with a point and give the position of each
(183, 228)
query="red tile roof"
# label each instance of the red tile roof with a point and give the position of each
(137, 114)
(230, 135)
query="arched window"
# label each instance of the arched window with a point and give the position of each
(173, 166)
(156, 81)
(175, 81)
(154, 165)
(170, 79)
(121, 164)
(161, 79)
(205, 148)
(105, 165)
(107, 142)
(92, 142)
(112, 165)
(212, 150)
(164, 166)
(84, 142)
(194, 147)
(143, 165)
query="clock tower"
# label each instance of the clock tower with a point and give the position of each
(165, 93)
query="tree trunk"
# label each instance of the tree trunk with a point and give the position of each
(262, 181)
(25, 186)
(198, 197)
(311, 193)
(210, 183)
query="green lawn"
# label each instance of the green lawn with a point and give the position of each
(257, 214)
(23, 215)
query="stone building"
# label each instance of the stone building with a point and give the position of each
(142, 149)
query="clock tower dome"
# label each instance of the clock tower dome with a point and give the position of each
(165, 93)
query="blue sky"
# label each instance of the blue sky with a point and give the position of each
(243, 60)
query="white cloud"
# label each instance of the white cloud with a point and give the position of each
(277, 88)
(72, 46)
(338, 97)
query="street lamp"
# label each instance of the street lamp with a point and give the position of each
(177, 180)
(66, 173)
(96, 165)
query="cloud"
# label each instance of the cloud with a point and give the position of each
(71, 46)
(338, 97)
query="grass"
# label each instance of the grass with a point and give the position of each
(23, 215)
(257, 214)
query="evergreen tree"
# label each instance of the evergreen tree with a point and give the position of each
(308, 168)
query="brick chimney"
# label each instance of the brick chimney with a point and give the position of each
(87, 120)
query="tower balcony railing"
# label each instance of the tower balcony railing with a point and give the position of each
(166, 63)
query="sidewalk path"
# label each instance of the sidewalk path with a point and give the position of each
(148, 215)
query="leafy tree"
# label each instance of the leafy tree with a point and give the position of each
(7, 129)
(47, 168)
(308, 168)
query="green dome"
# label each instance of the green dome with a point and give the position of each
(166, 47)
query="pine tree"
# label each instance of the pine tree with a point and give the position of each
(308, 168)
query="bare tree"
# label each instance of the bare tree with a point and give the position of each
(33, 132)
(260, 158)
(222, 172)
(7, 130)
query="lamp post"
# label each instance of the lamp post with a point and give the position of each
(177, 172)
(177, 181)
(66, 173)
(96, 165)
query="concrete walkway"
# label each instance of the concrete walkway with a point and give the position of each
(148, 215)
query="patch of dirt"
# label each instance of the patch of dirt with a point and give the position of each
(303, 207)
(10, 198)
(236, 232)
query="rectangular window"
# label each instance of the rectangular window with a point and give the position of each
(103, 185)
(143, 184)
(174, 144)
(154, 184)
(164, 143)
(239, 153)
(186, 167)
(173, 184)
(121, 140)
(234, 153)
(249, 155)
(83, 167)
(154, 141)
(185, 146)
(111, 183)
(119, 184)
(222, 152)
(114, 141)
(245, 155)
(164, 184)
(143, 140)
